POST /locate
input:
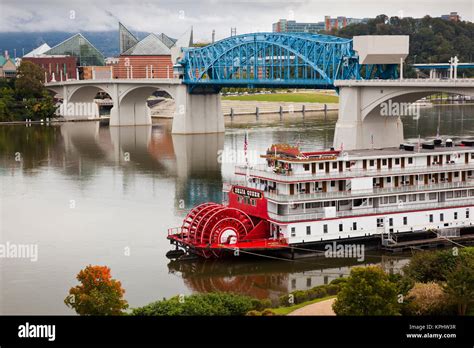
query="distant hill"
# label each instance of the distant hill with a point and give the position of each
(106, 42)
(432, 40)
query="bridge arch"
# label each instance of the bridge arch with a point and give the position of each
(373, 107)
(272, 59)
(132, 103)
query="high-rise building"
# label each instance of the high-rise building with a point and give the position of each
(341, 22)
(291, 26)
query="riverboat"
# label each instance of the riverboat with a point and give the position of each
(300, 201)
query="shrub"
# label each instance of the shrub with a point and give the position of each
(368, 292)
(300, 296)
(199, 304)
(253, 313)
(261, 304)
(332, 289)
(426, 299)
(317, 292)
(268, 312)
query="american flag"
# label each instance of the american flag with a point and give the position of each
(246, 143)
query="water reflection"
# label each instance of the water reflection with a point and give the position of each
(262, 278)
(129, 185)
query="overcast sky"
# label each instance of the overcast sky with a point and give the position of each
(174, 17)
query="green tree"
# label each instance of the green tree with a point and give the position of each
(7, 104)
(98, 293)
(459, 284)
(29, 82)
(368, 291)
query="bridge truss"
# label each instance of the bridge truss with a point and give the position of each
(276, 60)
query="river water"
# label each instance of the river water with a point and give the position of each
(88, 194)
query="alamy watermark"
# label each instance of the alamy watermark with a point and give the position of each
(78, 109)
(19, 251)
(345, 251)
(397, 109)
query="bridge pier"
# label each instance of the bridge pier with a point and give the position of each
(197, 113)
(132, 109)
(354, 130)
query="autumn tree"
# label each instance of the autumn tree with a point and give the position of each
(98, 293)
(368, 291)
(426, 299)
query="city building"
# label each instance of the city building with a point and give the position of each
(341, 22)
(58, 68)
(78, 46)
(151, 57)
(7, 66)
(452, 16)
(291, 26)
(38, 51)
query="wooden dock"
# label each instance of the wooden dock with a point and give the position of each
(430, 243)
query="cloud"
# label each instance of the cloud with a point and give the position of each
(174, 17)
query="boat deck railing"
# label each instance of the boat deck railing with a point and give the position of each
(263, 171)
(363, 211)
(276, 196)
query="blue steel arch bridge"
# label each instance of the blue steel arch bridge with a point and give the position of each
(276, 60)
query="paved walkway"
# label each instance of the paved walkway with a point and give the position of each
(318, 308)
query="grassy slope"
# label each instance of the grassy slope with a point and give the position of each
(288, 97)
(287, 310)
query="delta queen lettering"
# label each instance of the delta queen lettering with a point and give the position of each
(247, 193)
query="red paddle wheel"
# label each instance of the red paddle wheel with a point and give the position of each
(211, 223)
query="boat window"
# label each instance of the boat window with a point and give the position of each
(455, 215)
(325, 228)
(410, 160)
(308, 230)
(340, 227)
(334, 165)
(431, 218)
(293, 231)
(441, 217)
(405, 220)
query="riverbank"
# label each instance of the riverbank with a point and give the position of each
(297, 97)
